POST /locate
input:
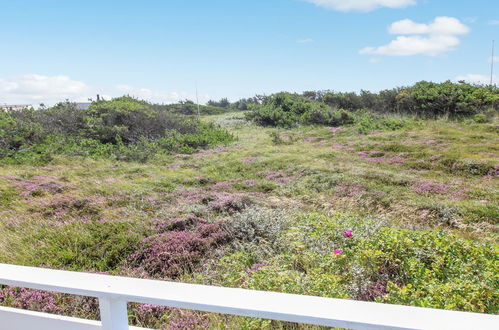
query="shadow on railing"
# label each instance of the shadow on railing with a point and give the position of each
(115, 292)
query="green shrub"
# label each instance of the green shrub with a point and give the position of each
(123, 129)
(190, 108)
(424, 99)
(288, 110)
(345, 256)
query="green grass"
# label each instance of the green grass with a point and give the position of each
(428, 193)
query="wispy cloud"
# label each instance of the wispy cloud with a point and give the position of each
(375, 60)
(361, 5)
(34, 88)
(494, 22)
(305, 41)
(477, 78)
(148, 94)
(435, 38)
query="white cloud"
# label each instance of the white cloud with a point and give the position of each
(159, 96)
(494, 22)
(34, 88)
(471, 20)
(478, 78)
(305, 41)
(442, 25)
(431, 39)
(361, 5)
(494, 59)
(415, 45)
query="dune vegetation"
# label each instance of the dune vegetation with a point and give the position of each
(390, 197)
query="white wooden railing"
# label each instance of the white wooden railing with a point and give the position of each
(114, 292)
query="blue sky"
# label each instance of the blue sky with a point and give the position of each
(159, 50)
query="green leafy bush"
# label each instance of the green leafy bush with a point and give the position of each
(288, 110)
(123, 128)
(345, 256)
(424, 99)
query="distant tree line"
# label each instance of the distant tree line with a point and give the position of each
(422, 100)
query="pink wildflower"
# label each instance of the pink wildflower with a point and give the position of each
(348, 233)
(338, 251)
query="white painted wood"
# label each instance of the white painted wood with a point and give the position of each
(19, 319)
(113, 314)
(271, 305)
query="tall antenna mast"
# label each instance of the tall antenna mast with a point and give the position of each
(197, 99)
(492, 64)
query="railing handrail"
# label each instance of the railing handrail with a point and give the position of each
(262, 304)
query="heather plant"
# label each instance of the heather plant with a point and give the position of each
(23, 298)
(430, 187)
(148, 315)
(174, 253)
(38, 185)
(420, 197)
(228, 202)
(49, 302)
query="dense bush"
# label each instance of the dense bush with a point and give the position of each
(424, 99)
(190, 108)
(223, 103)
(348, 257)
(288, 110)
(123, 128)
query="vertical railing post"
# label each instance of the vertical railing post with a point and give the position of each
(113, 314)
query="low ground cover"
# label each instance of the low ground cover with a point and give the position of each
(403, 214)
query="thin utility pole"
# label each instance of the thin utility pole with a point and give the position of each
(197, 99)
(492, 64)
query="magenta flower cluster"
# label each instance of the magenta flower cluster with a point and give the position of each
(38, 185)
(348, 234)
(23, 298)
(188, 321)
(278, 176)
(428, 187)
(228, 202)
(173, 253)
(257, 267)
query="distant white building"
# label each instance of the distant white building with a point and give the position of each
(15, 107)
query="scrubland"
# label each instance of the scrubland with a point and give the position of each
(403, 213)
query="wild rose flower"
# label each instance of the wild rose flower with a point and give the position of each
(348, 233)
(338, 251)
